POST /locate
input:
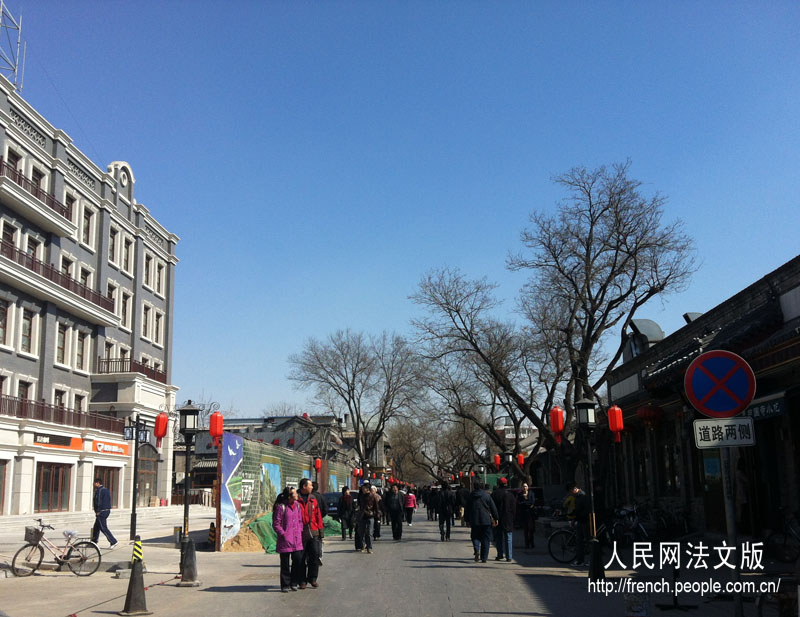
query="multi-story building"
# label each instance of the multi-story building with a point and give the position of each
(86, 309)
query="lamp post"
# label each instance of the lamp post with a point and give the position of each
(482, 470)
(189, 426)
(508, 458)
(587, 420)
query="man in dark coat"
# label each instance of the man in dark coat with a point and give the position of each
(507, 509)
(581, 512)
(481, 510)
(345, 511)
(102, 508)
(444, 508)
(394, 502)
(462, 497)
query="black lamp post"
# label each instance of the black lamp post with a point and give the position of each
(507, 459)
(189, 426)
(587, 419)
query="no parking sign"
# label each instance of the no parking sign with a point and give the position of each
(719, 384)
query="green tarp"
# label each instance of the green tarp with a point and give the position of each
(262, 527)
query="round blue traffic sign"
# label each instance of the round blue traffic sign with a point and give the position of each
(719, 384)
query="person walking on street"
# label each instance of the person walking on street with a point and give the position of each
(102, 508)
(287, 521)
(394, 507)
(346, 510)
(462, 497)
(482, 512)
(312, 534)
(410, 506)
(581, 514)
(506, 505)
(367, 513)
(376, 532)
(323, 509)
(526, 504)
(444, 506)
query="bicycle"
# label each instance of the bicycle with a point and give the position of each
(82, 558)
(784, 545)
(562, 544)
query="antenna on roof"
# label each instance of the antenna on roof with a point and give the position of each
(10, 51)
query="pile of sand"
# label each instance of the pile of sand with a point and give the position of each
(245, 541)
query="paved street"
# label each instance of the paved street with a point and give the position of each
(418, 576)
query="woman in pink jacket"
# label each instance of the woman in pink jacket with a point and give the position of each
(287, 521)
(411, 506)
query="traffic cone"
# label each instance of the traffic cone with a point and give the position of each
(189, 567)
(212, 537)
(135, 603)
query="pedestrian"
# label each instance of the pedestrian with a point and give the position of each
(580, 513)
(102, 508)
(394, 508)
(410, 506)
(323, 508)
(287, 521)
(482, 517)
(376, 532)
(367, 513)
(433, 502)
(526, 503)
(312, 534)
(444, 507)
(506, 505)
(346, 510)
(462, 497)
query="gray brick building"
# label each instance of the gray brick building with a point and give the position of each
(87, 281)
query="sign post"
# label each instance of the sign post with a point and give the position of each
(720, 385)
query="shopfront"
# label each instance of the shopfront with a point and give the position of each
(52, 487)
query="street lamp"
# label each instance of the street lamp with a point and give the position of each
(587, 420)
(189, 425)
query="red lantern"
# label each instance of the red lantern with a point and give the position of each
(497, 461)
(276, 442)
(557, 422)
(520, 459)
(215, 427)
(615, 422)
(160, 431)
(460, 474)
(471, 474)
(452, 478)
(291, 442)
(317, 464)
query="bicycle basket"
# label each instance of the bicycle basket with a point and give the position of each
(33, 535)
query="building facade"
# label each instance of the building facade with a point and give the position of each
(87, 281)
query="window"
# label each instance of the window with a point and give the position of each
(80, 352)
(70, 203)
(37, 177)
(66, 266)
(26, 343)
(86, 277)
(80, 401)
(3, 321)
(109, 350)
(32, 249)
(123, 353)
(157, 333)
(52, 487)
(110, 478)
(9, 233)
(148, 264)
(157, 365)
(59, 398)
(146, 322)
(125, 310)
(86, 232)
(126, 255)
(24, 390)
(111, 294)
(159, 278)
(61, 344)
(112, 245)
(13, 160)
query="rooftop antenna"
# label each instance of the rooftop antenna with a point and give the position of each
(10, 50)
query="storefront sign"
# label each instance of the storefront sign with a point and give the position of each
(57, 441)
(726, 433)
(107, 447)
(770, 407)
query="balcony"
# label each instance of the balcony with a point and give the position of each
(109, 366)
(45, 282)
(35, 410)
(34, 203)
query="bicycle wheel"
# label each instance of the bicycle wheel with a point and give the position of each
(27, 560)
(563, 545)
(783, 547)
(84, 558)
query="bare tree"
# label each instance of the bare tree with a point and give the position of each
(373, 379)
(281, 409)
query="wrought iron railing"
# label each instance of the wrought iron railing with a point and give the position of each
(39, 410)
(38, 192)
(128, 365)
(56, 276)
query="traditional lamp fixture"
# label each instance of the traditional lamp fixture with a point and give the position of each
(587, 416)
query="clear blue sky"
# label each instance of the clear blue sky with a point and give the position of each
(317, 158)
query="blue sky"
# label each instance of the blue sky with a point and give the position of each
(316, 159)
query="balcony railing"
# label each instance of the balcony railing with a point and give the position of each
(51, 202)
(52, 274)
(36, 410)
(108, 366)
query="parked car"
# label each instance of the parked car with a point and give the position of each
(332, 501)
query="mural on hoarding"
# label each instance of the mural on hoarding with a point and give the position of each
(333, 484)
(231, 482)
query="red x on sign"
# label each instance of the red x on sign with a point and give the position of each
(719, 384)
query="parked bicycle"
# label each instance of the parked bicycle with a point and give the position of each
(628, 527)
(82, 557)
(563, 543)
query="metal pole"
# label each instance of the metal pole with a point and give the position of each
(187, 479)
(135, 477)
(596, 570)
(730, 518)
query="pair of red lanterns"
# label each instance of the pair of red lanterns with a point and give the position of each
(614, 422)
(214, 427)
